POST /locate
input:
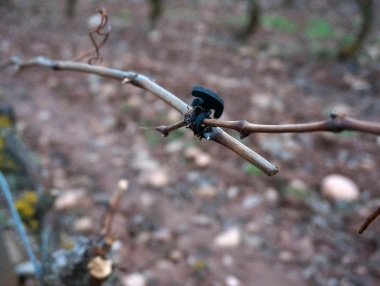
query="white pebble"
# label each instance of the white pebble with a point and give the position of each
(232, 281)
(340, 188)
(84, 224)
(230, 238)
(94, 21)
(69, 199)
(134, 279)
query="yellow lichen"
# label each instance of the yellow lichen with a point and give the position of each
(2, 141)
(5, 121)
(26, 206)
(31, 197)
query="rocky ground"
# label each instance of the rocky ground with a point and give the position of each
(196, 213)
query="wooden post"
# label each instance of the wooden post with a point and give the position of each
(7, 274)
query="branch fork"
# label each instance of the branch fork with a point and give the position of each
(212, 132)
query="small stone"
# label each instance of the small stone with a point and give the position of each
(191, 152)
(228, 260)
(298, 184)
(203, 220)
(201, 159)
(147, 200)
(205, 192)
(253, 241)
(164, 264)
(123, 184)
(93, 21)
(339, 188)
(251, 201)
(117, 251)
(163, 235)
(232, 281)
(108, 89)
(174, 147)
(271, 196)
(154, 36)
(134, 279)
(69, 199)
(286, 256)
(60, 178)
(158, 178)
(176, 255)
(296, 192)
(44, 115)
(84, 224)
(230, 238)
(306, 248)
(232, 192)
(356, 83)
(143, 237)
(252, 227)
(262, 100)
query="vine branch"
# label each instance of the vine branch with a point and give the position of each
(216, 134)
(337, 123)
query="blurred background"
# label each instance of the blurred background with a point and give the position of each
(196, 213)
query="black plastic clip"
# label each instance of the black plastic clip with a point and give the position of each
(206, 100)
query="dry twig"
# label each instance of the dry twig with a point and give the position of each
(113, 204)
(337, 123)
(369, 220)
(216, 134)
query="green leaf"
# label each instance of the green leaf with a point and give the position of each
(318, 29)
(251, 169)
(280, 23)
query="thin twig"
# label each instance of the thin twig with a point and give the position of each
(165, 130)
(369, 220)
(113, 203)
(337, 123)
(19, 225)
(219, 136)
(124, 76)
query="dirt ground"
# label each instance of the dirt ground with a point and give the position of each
(184, 192)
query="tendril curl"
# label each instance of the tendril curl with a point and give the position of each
(101, 30)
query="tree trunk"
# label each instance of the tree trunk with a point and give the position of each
(366, 9)
(155, 12)
(254, 20)
(70, 8)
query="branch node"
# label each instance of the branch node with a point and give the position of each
(335, 122)
(162, 129)
(16, 61)
(333, 114)
(207, 134)
(130, 79)
(240, 127)
(54, 65)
